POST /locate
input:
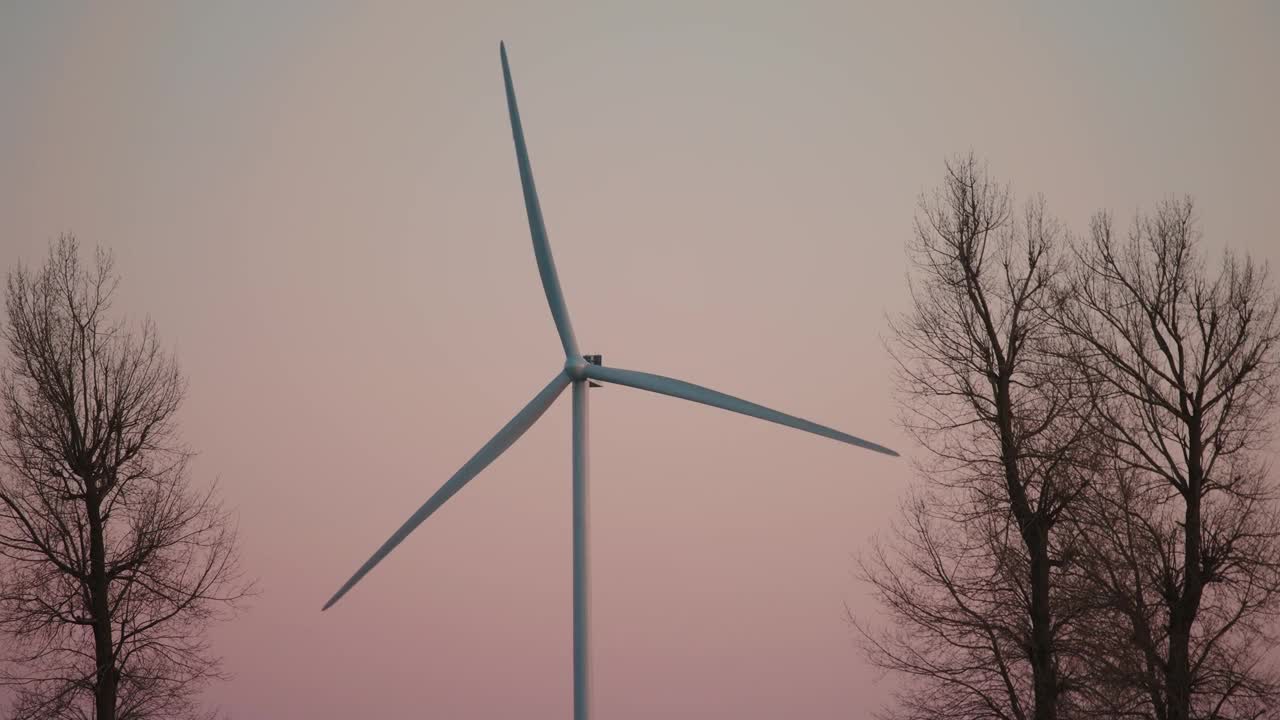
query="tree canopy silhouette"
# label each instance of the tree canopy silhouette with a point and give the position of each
(114, 563)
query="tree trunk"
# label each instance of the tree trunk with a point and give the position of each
(1035, 535)
(107, 679)
(1044, 672)
(1182, 615)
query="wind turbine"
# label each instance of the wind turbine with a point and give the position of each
(578, 371)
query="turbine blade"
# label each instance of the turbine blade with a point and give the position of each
(487, 454)
(707, 396)
(541, 246)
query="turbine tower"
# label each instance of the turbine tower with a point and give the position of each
(578, 371)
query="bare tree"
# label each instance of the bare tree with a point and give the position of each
(113, 563)
(1183, 536)
(982, 614)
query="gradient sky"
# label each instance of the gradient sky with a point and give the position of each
(319, 207)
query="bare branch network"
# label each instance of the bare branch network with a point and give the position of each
(1095, 533)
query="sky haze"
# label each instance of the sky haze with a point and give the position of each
(318, 205)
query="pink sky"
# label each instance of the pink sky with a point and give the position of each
(319, 207)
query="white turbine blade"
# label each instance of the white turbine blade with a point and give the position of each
(487, 454)
(541, 246)
(707, 396)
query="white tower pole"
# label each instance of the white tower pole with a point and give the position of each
(581, 529)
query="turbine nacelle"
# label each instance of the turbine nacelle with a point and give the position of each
(591, 360)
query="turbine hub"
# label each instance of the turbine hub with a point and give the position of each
(577, 367)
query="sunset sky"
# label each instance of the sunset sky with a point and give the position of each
(319, 207)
